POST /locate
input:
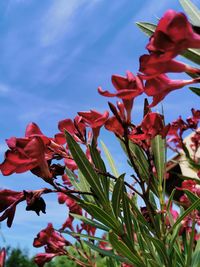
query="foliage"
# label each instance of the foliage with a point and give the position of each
(121, 220)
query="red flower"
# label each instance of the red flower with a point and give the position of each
(127, 89)
(173, 35)
(73, 208)
(151, 126)
(27, 153)
(41, 258)
(76, 129)
(161, 86)
(2, 257)
(53, 240)
(8, 202)
(113, 125)
(95, 120)
(54, 244)
(151, 66)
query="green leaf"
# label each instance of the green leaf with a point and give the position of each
(195, 90)
(192, 197)
(170, 199)
(194, 206)
(140, 218)
(111, 263)
(180, 256)
(146, 27)
(117, 195)
(151, 248)
(107, 253)
(158, 149)
(110, 160)
(192, 11)
(139, 158)
(104, 217)
(90, 222)
(99, 164)
(192, 54)
(196, 255)
(127, 216)
(74, 234)
(191, 244)
(124, 250)
(85, 187)
(80, 184)
(160, 247)
(86, 169)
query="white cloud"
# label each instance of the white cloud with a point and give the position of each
(58, 20)
(34, 107)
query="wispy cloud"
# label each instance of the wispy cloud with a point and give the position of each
(59, 20)
(30, 106)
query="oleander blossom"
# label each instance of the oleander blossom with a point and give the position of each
(2, 257)
(76, 128)
(151, 125)
(9, 199)
(95, 120)
(160, 86)
(53, 242)
(151, 66)
(173, 35)
(34, 153)
(128, 88)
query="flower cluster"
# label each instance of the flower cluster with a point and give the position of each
(86, 186)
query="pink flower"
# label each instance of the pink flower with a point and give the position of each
(161, 86)
(73, 208)
(151, 66)
(42, 258)
(53, 240)
(8, 202)
(2, 257)
(27, 153)
(127, 88)
(95, 120)
(151, 126)
(113, 125)
(172, 36)
(76, 129)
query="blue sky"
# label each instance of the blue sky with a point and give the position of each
(54, 55)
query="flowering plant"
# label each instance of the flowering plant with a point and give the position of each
(140, 225)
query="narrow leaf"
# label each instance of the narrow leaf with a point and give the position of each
(158, 148)
(74, 234)
(192, 11)
(127, 216)
(104, 217)
(117, 195)
(90, 222)
(196, 255)
(107, 253)
(86, 168)
(99, 164)
(139, 158)
(195, 90)
(110, 160)
(124, 250)
(192, 197)
(146, 27)
(194, 206)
